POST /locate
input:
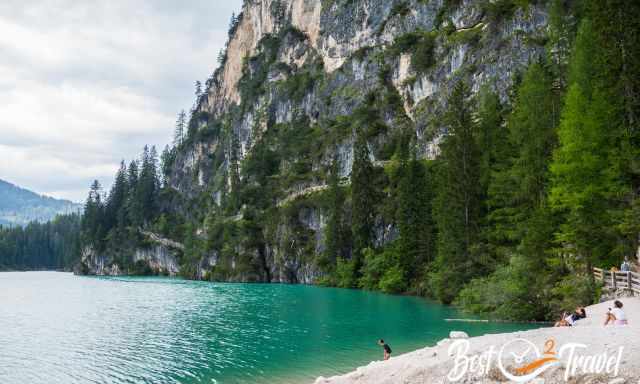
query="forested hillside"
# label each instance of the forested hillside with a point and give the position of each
(51, 245)
(484, 153)
(19, 206)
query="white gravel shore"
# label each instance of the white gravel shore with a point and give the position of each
(606, 355)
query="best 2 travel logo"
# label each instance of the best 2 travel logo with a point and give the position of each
(520, 360)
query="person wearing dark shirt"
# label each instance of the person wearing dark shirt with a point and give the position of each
(567, 320)
(386, 348)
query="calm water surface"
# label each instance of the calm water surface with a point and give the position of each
(60, 328)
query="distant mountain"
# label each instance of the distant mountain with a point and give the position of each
(19, 206)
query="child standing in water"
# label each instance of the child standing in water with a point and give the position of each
(386, 348)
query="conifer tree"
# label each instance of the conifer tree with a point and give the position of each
(166, 161)
(133, 206)
(198, 89)
(363, 199)
(334, 229)
(147, 188)
(561, 31)
(457, 203)
(520, 180)
(587, 179)
(115, 209)
(181, 123)
(615, 26)
(93, 219)
(491, 135)
(414, 216)
(520, 225)
(233, 201)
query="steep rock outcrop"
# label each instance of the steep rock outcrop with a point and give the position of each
(159, 257)
(276, 114)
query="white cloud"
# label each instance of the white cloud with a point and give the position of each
(86, 84)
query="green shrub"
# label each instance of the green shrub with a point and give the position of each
(361, 53)
(345, 273)
(573, 291)
(405, 43)
(421, 45)
(499, 10)
(373, 269)
(298, 85)
(401, 9)
(381, 271)
(393, 280)
(423, 57)
(511, 292)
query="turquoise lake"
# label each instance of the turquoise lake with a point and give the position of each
(61, 328)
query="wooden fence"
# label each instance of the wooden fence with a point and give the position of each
(615, 280)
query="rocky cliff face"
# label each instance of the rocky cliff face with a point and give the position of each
(158, 256)
(279, 110)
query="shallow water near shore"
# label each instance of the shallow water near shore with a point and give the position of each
(60, 328)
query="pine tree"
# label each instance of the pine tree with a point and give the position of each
(198, 89)
(233, 197)
(166, 163)
(363, 199)
(233, 23)
(133, 207)
(93, 219)
(561, 31)
(491, 135)
(616, 63)
(115, 209)
(181, 122)
(520, 183)
(520, 224)
(413, 216)
(148, 185)
(586, 177)
(496, 153)
(457, 203)
(334, 229)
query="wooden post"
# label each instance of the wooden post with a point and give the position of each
(629, 281)
(613, 279)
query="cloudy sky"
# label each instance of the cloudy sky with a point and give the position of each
(84, 84)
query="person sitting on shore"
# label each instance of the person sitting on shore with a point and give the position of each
(568, 320)
(386, 348)
(616, 315)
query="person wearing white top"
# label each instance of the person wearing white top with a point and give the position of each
(616, 315)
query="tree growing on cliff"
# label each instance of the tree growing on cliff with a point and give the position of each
(181, 122)
(191, 254)
(334, 230)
